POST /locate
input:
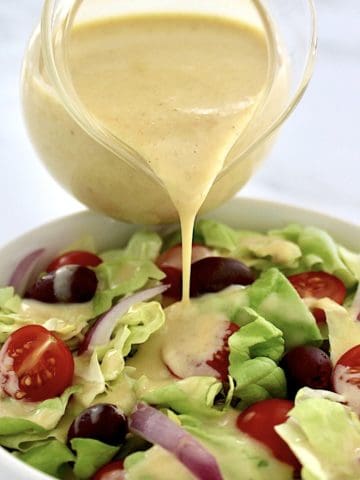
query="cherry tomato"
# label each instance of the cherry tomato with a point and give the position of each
(346, 377)
(259, 421)
(220, 360)
(111, 471)
(319, 285)
(185, 362)
(76, 257)
(173, 256)
(35, 365)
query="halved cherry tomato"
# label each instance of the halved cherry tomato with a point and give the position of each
(259, 421)
(35, 365)
(220, 360)
(346, 377)
(173, 256)
(76, 257)
(111, 471)
(319, 285)
(185, 362)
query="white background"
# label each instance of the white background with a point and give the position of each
(316, 162)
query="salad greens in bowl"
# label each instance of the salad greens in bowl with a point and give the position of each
(106, 375)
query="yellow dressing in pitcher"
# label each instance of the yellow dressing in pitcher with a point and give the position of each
(180, 89)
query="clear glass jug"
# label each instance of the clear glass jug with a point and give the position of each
(101, 170)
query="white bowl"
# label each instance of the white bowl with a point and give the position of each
(240, 212)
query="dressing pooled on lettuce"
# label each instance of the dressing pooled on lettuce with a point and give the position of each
(105, 374)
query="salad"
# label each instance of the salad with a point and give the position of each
(106, 375)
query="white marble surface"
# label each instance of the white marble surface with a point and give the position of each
(316, 162)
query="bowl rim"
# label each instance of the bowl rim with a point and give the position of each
(17, 467)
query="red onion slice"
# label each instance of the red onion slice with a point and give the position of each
(25, 270)
(100, 332)
(155, 427)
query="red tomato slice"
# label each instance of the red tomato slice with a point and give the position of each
(173, 256)
(111, 471)
(76, 257)
(183, 363)
(346, 377)
(319, 285)
(35, 365)
(259, 421)
(220, 360)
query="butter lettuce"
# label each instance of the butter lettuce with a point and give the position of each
(193, 395)
(325, 436)
(292, 249)
(90, 456)
(101, 368)
(126, 270)
(271, 297)
(67, 321)
(122, 277)
(255, 350)
(17, 417)
(25, 424)
(274, 298)
(89, 377)
(133, 328)
(255, 249)
(351, 260)
(50, 457)
(343, 328)
(55, 458)
(142, 245)
(9, 301)
(318, 251)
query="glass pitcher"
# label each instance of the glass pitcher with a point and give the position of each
(109, 175)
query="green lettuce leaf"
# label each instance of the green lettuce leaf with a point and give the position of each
(143, 245)
(67, 321)
(325, 436)
(255, 350)
(318, 252)
(121, 392)
(351, 260)
(132, 329)
(50, 457)
(126, 270)
(274, 298)
(17, 417)
(343, 327)
(99, 373)
(9, 301)
(230, 302)
(89, 377)
(90, 456)
(155, 464)
(255, 249)
(193, 395)
(122, 277)
(217, 235)
(292, 249)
